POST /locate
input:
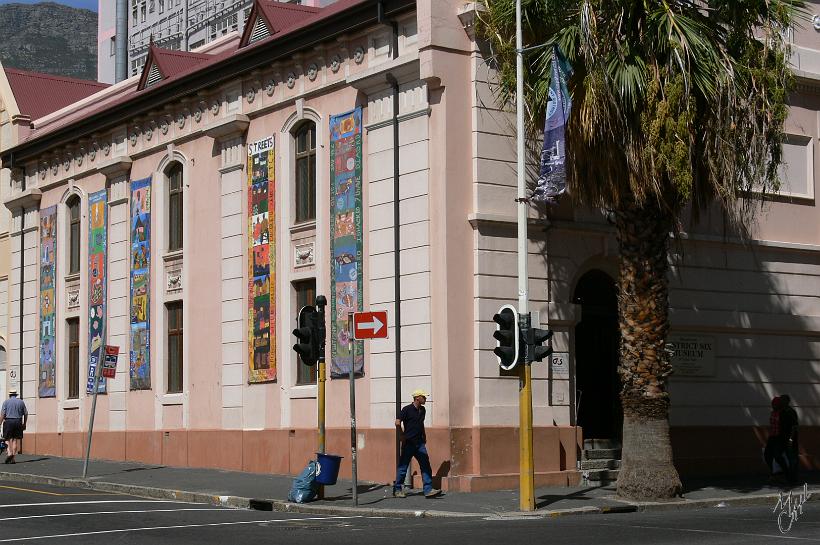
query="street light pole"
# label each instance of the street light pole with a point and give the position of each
(527, 474)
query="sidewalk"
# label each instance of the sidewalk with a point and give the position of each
(269, 492)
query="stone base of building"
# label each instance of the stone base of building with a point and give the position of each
(463, 459)
(711, 451)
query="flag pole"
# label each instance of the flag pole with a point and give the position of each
(526, 470)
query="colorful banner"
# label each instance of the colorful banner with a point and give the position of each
(262, 261)
(552, 178)
(48, 315)
(140, 362)
(97, 242)
(346, 294)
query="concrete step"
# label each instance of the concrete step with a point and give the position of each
(602, 454)
(600, 464)
(603, 475)
(592, 444)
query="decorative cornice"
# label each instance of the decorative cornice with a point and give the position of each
(230, 126)
(116, 166)
(24, 199)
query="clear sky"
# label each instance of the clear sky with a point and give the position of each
(87, 4)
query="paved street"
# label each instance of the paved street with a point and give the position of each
(33, 513)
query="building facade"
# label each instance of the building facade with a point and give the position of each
(185, 216)
(184, 25)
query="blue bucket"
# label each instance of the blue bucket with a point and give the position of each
(328, 468)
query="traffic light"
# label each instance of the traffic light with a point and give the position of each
(540, 343)
(308, 335)
(507, 337)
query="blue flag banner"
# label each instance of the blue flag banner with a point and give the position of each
(552, 177)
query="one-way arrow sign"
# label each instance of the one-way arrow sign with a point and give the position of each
(370, 325)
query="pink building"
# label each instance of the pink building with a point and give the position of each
(193, 210)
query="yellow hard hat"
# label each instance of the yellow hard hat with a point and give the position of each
(419, 392)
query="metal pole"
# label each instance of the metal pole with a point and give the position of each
(352, 349)
(527, 475)
(96, 391)
(321, 302)
(121, 41)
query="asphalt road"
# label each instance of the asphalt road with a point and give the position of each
(43, 514)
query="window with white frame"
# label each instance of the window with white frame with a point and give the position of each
(796, 173)
(175, 207)
(304, 174)
(74, 234)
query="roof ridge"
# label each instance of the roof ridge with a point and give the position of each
(180, 53)
(293, 7)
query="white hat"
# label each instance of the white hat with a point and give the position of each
(419, 392)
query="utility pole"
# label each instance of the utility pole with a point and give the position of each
(527, 473)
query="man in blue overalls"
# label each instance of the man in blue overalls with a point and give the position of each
(414, 445)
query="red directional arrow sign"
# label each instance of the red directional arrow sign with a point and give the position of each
(370, 325)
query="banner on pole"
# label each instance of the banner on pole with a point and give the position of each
(552, 178)
(97, 241)
(346, 293)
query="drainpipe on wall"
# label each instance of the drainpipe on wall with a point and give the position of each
(22, 282)
(121, 42)
(394, 26)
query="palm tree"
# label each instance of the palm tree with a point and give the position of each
(677, 104)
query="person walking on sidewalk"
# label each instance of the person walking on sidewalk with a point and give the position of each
(789, 431)
(13, 417)
(775, 450)
(414, 445)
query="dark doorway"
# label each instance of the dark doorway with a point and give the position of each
(596, 357)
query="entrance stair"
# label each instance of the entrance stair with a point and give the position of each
(600, 461)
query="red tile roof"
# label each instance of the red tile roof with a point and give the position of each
(171, 62)
(38, 95)
(282, 16)
(115, 101)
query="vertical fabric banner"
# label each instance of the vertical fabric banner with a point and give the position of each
(262, 261)
(346, 294)
(140, 361)
(552, 178)
(97, 242)
(47, 385)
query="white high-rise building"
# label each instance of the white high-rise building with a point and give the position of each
(173, 24)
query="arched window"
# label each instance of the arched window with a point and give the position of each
(174, 174)
(74, 230)
(305, 173)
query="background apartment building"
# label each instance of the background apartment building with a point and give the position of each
(172, 24)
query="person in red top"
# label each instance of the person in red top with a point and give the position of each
(775, 450)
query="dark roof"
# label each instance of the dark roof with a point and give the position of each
(339, 17)
(38, 94)
(171, 62)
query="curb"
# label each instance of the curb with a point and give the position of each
(239, 502)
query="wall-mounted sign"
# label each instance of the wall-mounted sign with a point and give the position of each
(559, 365)
(693, 355)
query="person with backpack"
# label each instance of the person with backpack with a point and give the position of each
(13, 417)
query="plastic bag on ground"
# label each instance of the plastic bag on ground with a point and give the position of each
(305, 488)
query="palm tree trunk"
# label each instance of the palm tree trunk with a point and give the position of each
(647, 470)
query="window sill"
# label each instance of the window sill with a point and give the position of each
(172, 399)
(303, 391)
(71, 404)
(173, 256)
(304, 226)
(72, 277)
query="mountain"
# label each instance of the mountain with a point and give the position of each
(50, 38)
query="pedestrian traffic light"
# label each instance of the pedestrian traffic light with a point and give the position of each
(506, 337)
(308, 335)
(539, 349)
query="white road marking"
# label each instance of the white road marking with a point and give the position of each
(699, 531)
(174, 527)
(86, 502)
(115, 513)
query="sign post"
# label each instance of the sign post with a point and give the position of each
(352, 346)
